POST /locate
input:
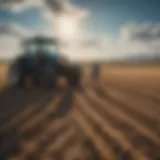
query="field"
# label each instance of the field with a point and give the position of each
(116, 119)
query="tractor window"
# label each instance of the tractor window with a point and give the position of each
(48, 48)
(31, 49)
(42, 48)
(52, 48)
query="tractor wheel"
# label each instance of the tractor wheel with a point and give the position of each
(13, 76)
(17, 75)
(21, 81)
(16, 79)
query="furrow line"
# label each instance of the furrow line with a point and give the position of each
(108, 129)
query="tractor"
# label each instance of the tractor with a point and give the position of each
(44, 64)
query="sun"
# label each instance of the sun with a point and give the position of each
(67, 27)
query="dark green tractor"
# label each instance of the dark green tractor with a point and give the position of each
(41, 61)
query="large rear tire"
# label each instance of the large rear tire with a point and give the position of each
(16, 77)
(21, 83)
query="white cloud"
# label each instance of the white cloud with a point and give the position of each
(93, 47)
(9, 46)
(144, 32)
(14, 30)
(20, 5)
(134, 39)
(54, 11)
(58, 12)
(67, 19)
(143, 38)
(53, 6)
(11, 37)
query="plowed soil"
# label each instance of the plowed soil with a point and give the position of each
(117, 118)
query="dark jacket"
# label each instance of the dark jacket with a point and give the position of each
(95, 71)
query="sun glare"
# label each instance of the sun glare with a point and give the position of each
(67, 27)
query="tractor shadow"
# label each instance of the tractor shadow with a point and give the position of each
(15, 100)
(65, 105)
(12, 102)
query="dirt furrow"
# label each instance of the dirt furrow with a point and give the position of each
(56, 145)
(46, 128)
(136, 109)
(98, 142)
(108, 129)
(41, 116)
(19, 118)
(33, 149)
(138, 93)
(10, 107)
(122, 116)
(144, 102)
(128, 126)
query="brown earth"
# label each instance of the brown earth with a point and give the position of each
(116, 119)
(3, 75)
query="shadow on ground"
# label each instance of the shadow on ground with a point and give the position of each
(14, 100)
(65, 105)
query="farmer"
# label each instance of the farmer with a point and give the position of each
(95, 71)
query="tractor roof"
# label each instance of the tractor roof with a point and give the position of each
(40, 40)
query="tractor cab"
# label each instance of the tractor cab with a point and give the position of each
(40, 47)
(42, 50)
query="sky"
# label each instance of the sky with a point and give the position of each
(95, 29)
(111, 15)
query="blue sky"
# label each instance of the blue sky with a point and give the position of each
(106, 18)
(30, 18)
(107, 15)
(110, 15)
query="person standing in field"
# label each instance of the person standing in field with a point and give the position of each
(95, 72)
